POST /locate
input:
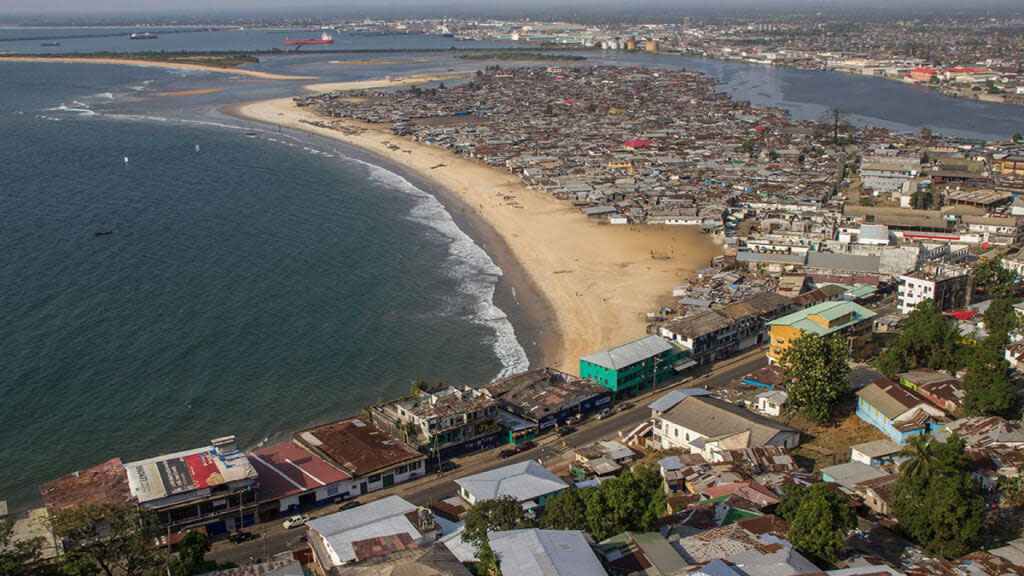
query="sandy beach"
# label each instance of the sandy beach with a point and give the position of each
(154, 64)
(596, 280)
(399, 82)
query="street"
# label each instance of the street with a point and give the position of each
(434, 487)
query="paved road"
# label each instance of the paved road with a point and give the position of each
(438, 487)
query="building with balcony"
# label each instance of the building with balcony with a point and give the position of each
(705, 425)
(215, 487)
(444, 423)
(828, 319)
(537, 400)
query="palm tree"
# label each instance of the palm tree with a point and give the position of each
(922, 457)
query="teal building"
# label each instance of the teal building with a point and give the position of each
(639, 364)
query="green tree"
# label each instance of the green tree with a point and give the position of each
(634, 500)
(987, 386)
(500, 514)
(1016, 137)
(1001, 317)
(993, 278)
(114, 537)
(815, 370)
(941, 509)
(819, 519)
(566, 510)
(192, 555)
(926, 132)
(929, 340)
(921, 457)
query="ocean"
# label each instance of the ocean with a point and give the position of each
(255, 281)
(251, 284)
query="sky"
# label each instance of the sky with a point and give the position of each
(482, 7)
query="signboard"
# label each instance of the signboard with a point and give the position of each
(192, 472)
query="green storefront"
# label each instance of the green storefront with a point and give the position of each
(630, 367)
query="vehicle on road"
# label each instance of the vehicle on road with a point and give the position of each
(507, 452)
(604, 413)
(525, 446)
(295, 522)
(448, 466)
(241, 536)
(350, 505)
(565, 430)
(624, 406)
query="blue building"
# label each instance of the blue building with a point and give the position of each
(898, 411)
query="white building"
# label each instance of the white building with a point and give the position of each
(534, 552)
(950, 288)
(771, 402)
(704, 425)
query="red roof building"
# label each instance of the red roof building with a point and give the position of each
(638, 143)
(922, 74)
(292, 476)
(100, 484)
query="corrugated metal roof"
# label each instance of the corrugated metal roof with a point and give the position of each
(534, 552)
(523, 481)
(383, 517)
(628, 354)
(669, 400)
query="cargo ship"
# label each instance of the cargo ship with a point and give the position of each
(325, 38)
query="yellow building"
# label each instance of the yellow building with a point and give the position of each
(826, 319)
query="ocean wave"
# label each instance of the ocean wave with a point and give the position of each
(65, 108)
(476, 273)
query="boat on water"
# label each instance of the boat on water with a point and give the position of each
(325, 38)
(143, 36)
(104, 232)
(49, 43)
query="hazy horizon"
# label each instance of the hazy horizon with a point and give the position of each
(20, 11)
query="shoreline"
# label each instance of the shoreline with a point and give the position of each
(153, 64)
(593, 282)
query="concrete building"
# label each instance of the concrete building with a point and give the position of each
(443, 423)
(362, 450)
(704, 425)
(950, 288)
(828, 319)
(639, 364)
(215, 487)
(875, 453)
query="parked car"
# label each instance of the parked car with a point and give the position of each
(241, 536)
(525, 446)
(565, 430)
(350, 505)
(624, 406)
(604, 413)
(448, 466)
(295, 522)
(507, 452)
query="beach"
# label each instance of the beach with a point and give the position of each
(597, 281)
(154, 64)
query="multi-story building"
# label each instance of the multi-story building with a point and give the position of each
(704, 425)
(714, 334)
(950, 288)
(828, 319)
(215, 487)
(639, 364)
(1012, 165)
(450, 421)
(533, 401)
